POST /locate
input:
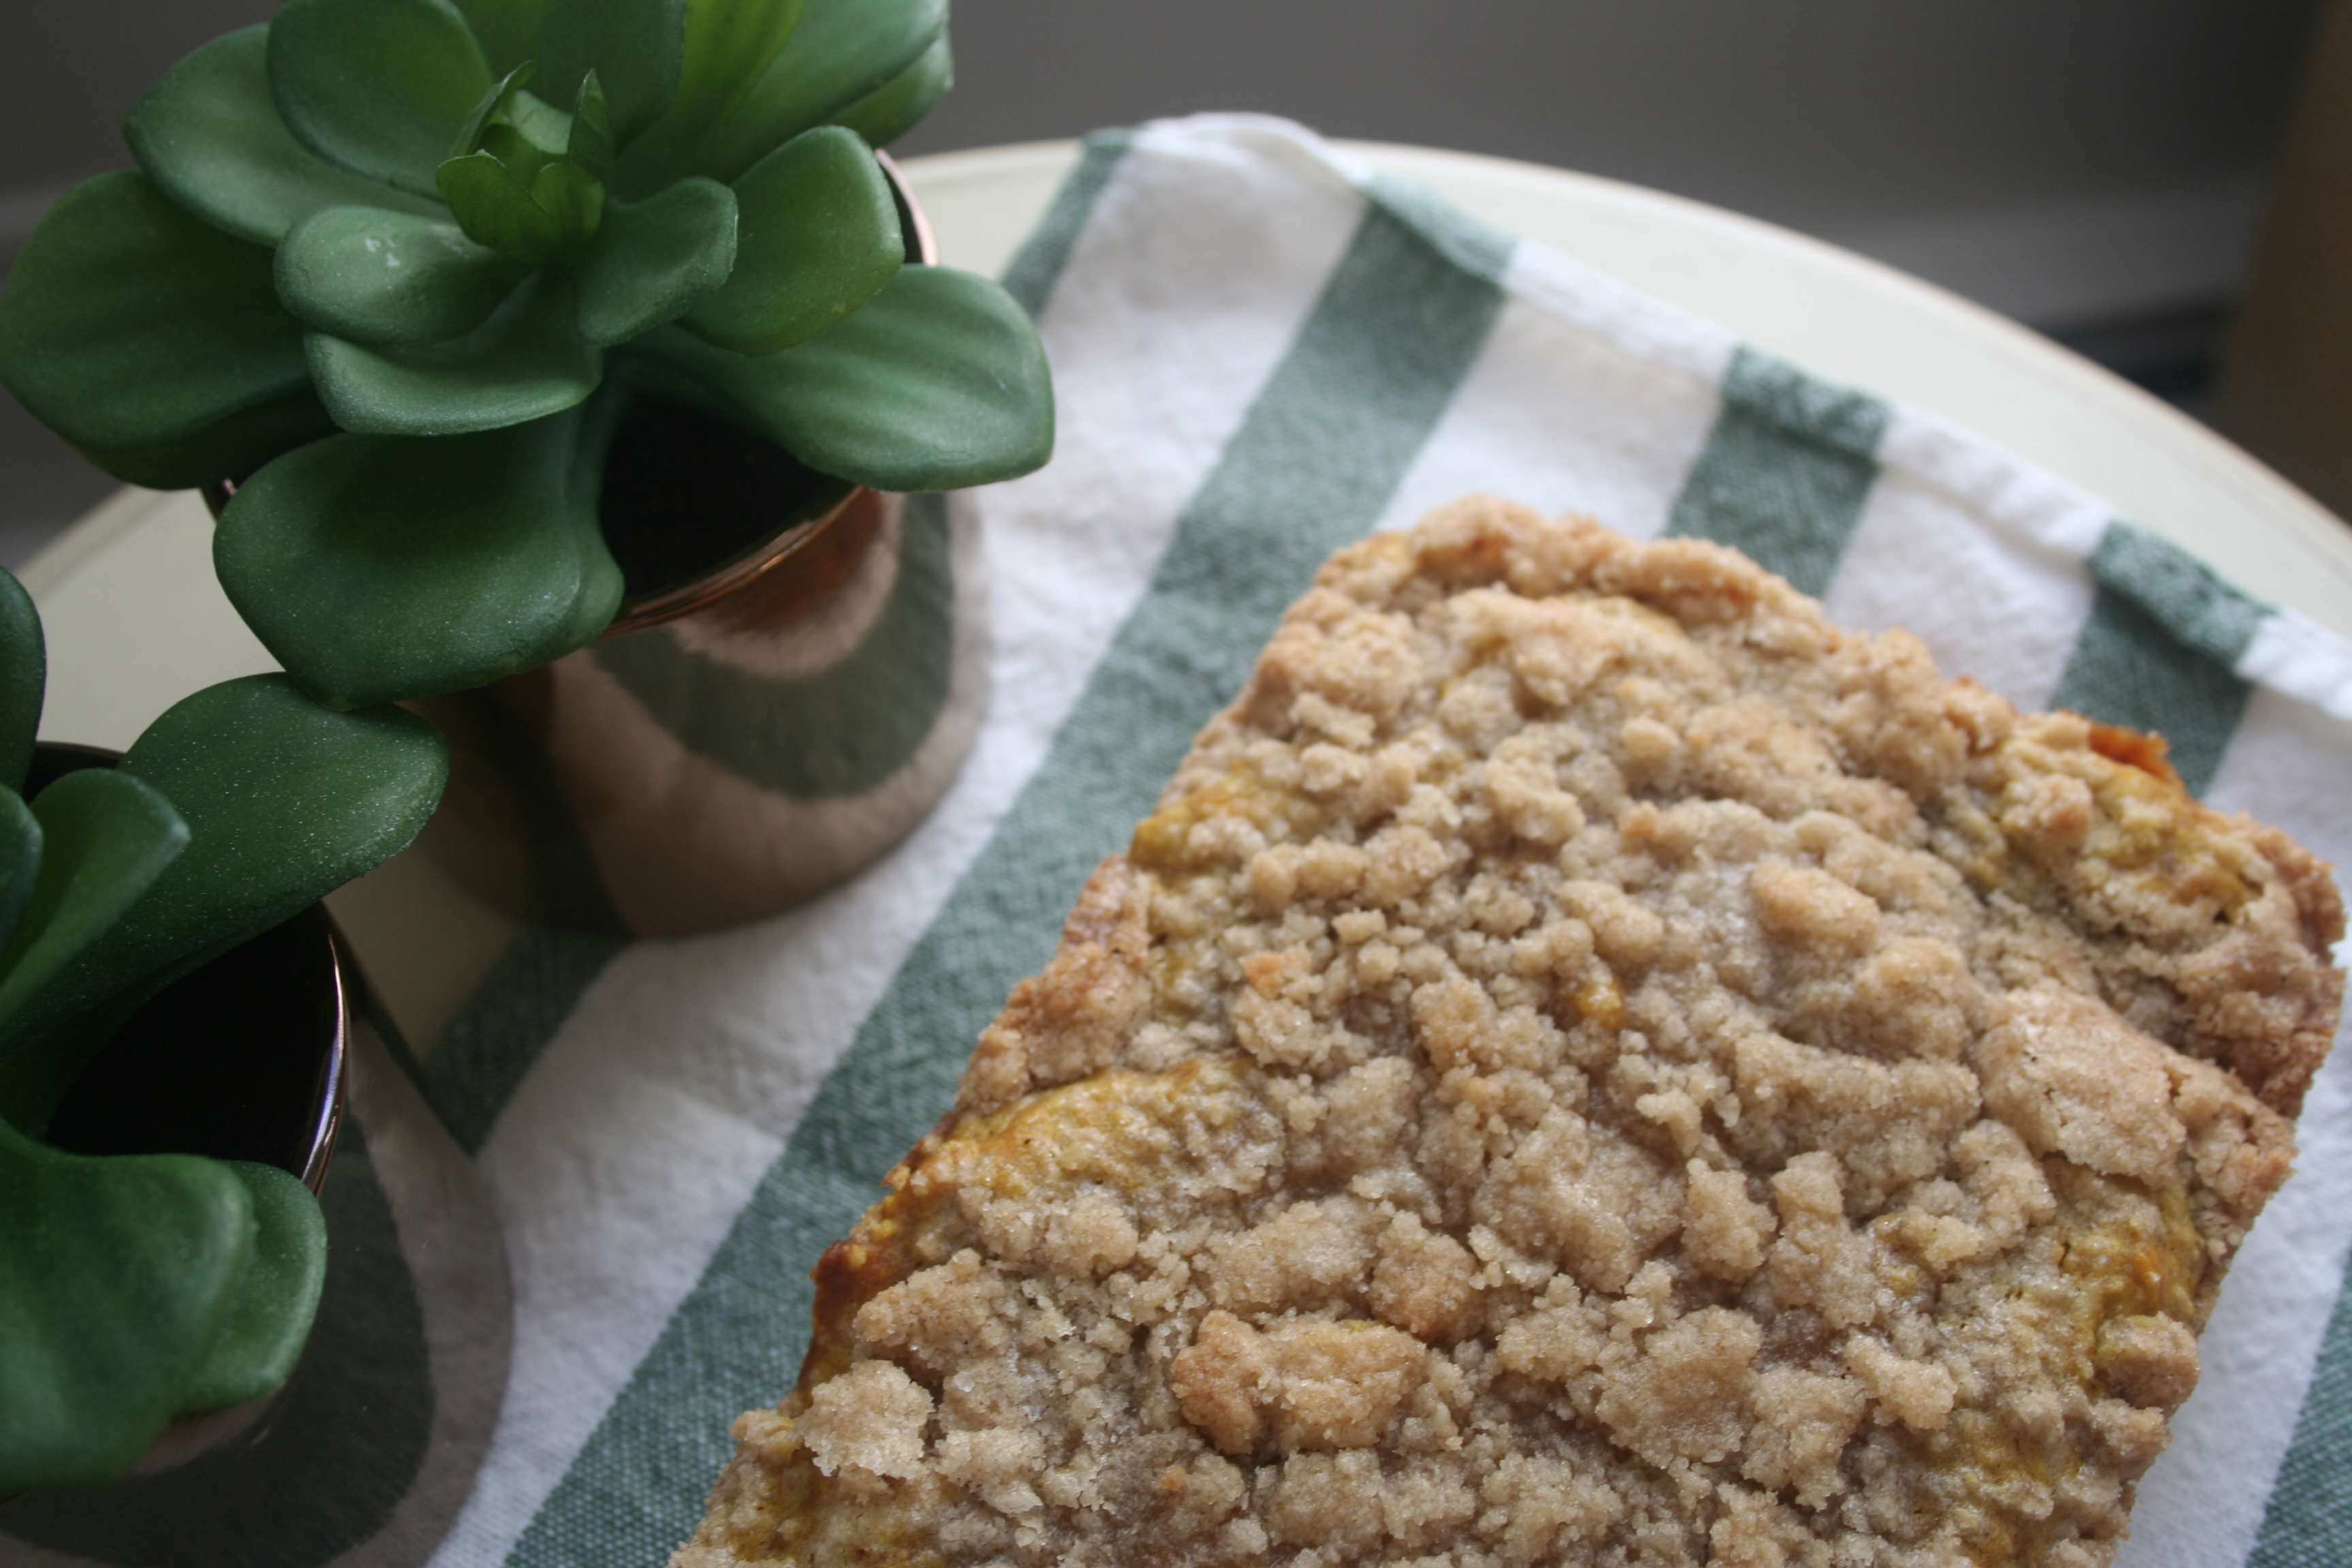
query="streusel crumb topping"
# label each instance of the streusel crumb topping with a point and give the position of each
(1588, 1063)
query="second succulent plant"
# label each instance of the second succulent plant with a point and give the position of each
(134, 1288)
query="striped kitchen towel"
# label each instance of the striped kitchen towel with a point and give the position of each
(1263, 351)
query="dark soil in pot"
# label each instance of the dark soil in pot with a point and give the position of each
(687, 494)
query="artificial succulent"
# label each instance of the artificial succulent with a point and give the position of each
(134, 1288)
(395, 267)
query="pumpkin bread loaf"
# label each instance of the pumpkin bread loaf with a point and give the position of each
(1588, 1063)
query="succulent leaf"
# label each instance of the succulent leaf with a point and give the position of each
(492, 106)
(515, 151)
(20, 860)
(508, 29)
(336, 554)
(816, 235)
(381, 278)
(116, 1275)
(591, 145)
(546, 129)
(886, 113)
(302, 801)
(841, 51)
(576, 201)
(23, 673)
(209, 135)
(525, 363)
(654, 260)
(728, 43)
(495, 208)
(634, 47)
(106, 837)
(127, 323)
(938, 382)
(254, 1350)
(381, 88)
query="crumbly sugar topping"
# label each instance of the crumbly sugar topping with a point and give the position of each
(1588, 1063)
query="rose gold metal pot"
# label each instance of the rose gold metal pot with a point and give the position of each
(736, 744)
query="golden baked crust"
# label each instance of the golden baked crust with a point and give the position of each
(1587, 1063)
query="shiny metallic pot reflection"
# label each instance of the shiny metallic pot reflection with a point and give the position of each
(732, 761)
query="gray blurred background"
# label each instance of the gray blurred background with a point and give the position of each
(2093, 168)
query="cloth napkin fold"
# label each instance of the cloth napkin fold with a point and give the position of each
(1261, 351)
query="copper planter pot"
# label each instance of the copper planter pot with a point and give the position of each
(741, 740)
(729, 763)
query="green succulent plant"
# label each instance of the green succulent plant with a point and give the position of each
(137, 1287)
(396, 266)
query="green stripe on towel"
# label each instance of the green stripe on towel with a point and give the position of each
(1785, 471)
(507, 1023)
(832, 733)
(1032, 273)
(1477, 249)
(2159, 651)
(2309, 1521)
(1315, 461)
